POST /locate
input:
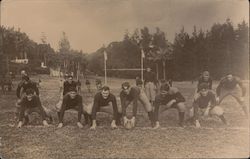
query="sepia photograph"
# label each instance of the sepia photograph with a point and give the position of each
(123, 79)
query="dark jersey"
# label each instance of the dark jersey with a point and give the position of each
(201, 80)
(26, 104)
(69, 103)
(230, 85)
(203, 101)
(126, 99)
(25, 86)
(99, 101)
(67, 85)
(173, 93)
(150, 77)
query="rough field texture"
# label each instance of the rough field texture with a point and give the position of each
(170, 141)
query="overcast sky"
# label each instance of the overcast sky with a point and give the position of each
(91, 23)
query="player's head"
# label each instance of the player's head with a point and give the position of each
(229, 76)
(72, 92)
(70, 78)
(23, 73)
(126, 87)
(105, 92)
(205, 75)
(203, 87)
(164, 88)
(29, 94)
(98, 83)
(148, 69)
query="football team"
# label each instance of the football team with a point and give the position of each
(156, 97)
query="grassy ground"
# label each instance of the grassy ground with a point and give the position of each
(35, 141)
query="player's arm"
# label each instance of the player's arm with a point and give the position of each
(243, 88)
(179, 97)
(36, 89)
(18, 91)
(218, 89)
(80, 108)
(94, 111)
(21, 115)
(62, 110)
(135, 103)
(115, 112)
(123, 104)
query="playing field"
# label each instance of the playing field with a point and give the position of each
(170, 141)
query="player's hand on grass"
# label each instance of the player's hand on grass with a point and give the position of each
(79, 125)
(113, 125)
(133, 121)
(19, 125)
(45, 123)
(60, 125)
(93, 127)
(197, 124)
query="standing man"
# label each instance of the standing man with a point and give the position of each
(134, 94)
(104, 101)
(150, 83)
(169, 97)
(232, 85)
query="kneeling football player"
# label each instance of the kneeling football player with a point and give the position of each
(30, 103)
(104, 101)
(134, 94)
(169, 97)
(71, 100)
(205, 104)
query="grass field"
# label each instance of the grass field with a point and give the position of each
(36, 142)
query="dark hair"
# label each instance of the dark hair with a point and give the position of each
(105, 88)
(29, 91)
(203, 86)
(125, 84)
(165, 87)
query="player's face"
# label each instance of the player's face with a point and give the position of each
(204, 92)
(148, 69)
(72, 94)
(206, 77)
(126, 90)
(230, 77)
(105, 94)
(70, 79)
(29, 97)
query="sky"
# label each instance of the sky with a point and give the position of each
(89, 24)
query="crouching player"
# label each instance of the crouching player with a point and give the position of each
(205, 104)
(169, 97)
(104, 101)
(134, 94)
(30, 103)
(231, 85)
(71, 100)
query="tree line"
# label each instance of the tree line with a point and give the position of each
(221, 49)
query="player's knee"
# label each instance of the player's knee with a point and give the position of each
(181, 106)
